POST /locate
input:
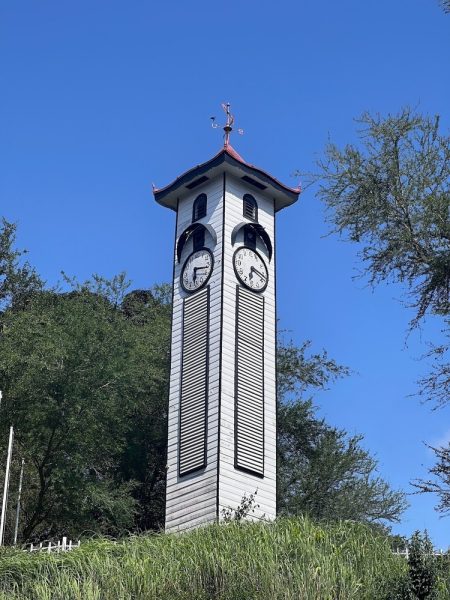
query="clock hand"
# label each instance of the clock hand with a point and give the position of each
(257, 272)
(195, 272)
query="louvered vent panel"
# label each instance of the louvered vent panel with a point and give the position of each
(249, 417)
(194, 383)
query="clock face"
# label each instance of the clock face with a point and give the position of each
(196, 270)
(250, 269)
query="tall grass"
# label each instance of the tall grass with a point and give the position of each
(290, 559)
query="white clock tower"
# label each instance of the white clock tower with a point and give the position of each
(222, 402)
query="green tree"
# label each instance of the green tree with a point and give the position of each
(145, 454)
(18, 280)
(422, 567)
(322, 471)
(81, 378)
(85, 375)
(391, 195)
(326, 474)
(439, 483)
(446, 5)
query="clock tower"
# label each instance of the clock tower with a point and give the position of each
(222, 401)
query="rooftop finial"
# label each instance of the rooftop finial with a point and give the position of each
(228, 127)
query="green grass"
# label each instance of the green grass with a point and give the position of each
(291, 559)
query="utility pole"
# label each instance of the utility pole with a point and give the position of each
(16, 529)
(5, 489)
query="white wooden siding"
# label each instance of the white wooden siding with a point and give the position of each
(192, 499)
(234, 483)
(197, 497)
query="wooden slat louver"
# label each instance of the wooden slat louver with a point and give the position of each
(249, 392)
(194, 383)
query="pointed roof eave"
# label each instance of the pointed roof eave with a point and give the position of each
(232, 152)
(167, 196)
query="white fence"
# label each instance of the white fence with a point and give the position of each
(59, 546)
(405, 552)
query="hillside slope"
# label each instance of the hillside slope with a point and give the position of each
(290, 559)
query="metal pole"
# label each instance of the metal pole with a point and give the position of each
(19, 493)
(5, 489)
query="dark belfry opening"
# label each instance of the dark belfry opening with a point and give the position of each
(250, 208)
(249, 237)
(198, 239)
(199, 208)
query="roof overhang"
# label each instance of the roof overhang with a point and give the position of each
(229, 161)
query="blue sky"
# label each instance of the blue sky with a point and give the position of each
(100, 99)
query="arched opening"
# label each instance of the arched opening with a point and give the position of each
(199, 208)
(250, 208)
(258, 230)
(197, 231)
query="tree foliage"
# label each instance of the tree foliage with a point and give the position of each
(82, 380)
(18, 280)
(326, 474)
(440, 482)
(422, 567)
(391, 195)
(446, 5)
(85, 377)
(298, 370)
(322, 471)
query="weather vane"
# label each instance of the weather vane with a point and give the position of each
(228, 127)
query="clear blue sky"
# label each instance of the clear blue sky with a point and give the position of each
(101, 98)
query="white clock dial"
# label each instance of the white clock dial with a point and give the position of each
(196, 270)
(250, 269)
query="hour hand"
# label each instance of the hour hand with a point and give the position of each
(258, 272)
(195, 272)
(198, 269)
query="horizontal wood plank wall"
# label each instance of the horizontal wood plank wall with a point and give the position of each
(191, 499)
(234, 483)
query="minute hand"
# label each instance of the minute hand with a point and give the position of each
(198, 269)
(195, 272)
(258, 273)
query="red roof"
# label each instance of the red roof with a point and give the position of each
(224, 155)
(232, 152)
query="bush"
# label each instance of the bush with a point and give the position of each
(427, 576)
(422, 567)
